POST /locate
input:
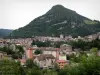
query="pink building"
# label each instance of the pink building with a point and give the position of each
(29, 53)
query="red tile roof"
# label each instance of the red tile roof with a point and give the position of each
(22, 60)
(61, 61)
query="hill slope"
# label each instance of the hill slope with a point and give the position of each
(5, 32)
(58, 20)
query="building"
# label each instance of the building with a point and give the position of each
(3, 43)
(62, 60)
(3, 55)
(61, 36)
(66, 49)
(45, 61)
(62, 63)
(49, 50)
(22, 61)
(29, 53)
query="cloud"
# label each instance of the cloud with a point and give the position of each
(18, 13)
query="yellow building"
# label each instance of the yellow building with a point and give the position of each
(62, 61)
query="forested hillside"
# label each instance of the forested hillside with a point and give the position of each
(5, 32)
(58, 20)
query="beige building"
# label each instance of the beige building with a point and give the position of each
(45, 61)
(49, 50)
(66, 49)
(3, 55)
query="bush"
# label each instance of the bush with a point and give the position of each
(88, 66)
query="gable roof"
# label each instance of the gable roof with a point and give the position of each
(45, 56)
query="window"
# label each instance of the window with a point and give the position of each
(0, 56)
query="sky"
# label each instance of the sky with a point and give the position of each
(18, 13)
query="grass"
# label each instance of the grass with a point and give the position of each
(90, 22)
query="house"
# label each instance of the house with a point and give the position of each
(3, 43)
(98, 53)
(61, 36)
(49, 50)
(22, 61)
(9, 57)
(3, 55)
(45, 61)
(62, 63)
(66, 49)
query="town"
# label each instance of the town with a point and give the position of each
(49, 37)
(45, 56)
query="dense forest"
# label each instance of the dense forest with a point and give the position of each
(5, 32)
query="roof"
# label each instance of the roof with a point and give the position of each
(45, 56)
(8, 55)
(3, 52)
(30, 48)
(62, 61)
(48, 48)
(22, 60)
(65, 45)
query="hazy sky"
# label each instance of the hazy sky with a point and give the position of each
(18, 13)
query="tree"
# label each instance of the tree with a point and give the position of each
(31, 64)
(32, 71)
(78, 44)
(41, 44)
(38, 52)
(9, 67)
(88, 66)
(49, 72)
(94, 51)
(20, 49)
(18, 52)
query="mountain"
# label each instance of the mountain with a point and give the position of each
(5, 32)
(59, 20)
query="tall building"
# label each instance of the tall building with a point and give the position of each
(29, 53)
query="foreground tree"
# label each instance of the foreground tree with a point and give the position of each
(31, 64)
(38, 52)
(88, 66)
(10, 67)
